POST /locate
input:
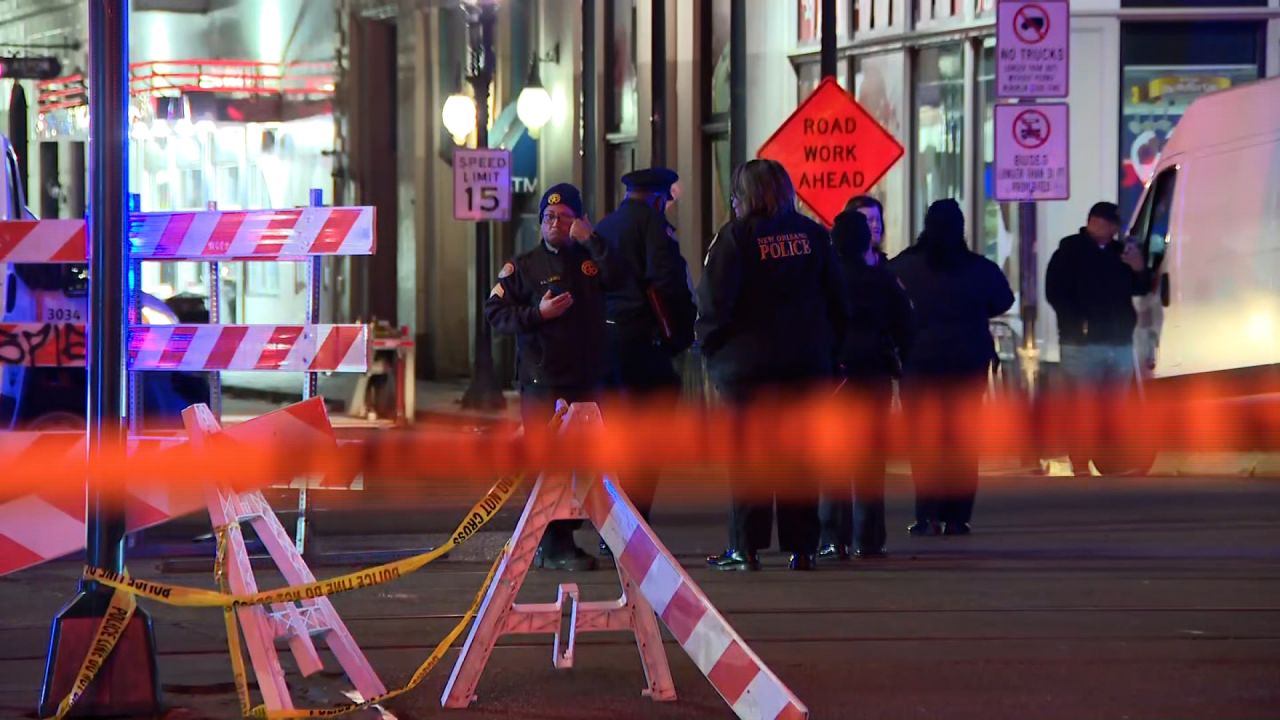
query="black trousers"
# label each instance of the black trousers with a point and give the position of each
(794, 492)
(537, 407)
(641, 372)
(944, 461)
(853, 514)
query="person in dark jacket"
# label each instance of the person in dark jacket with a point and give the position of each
(650, 308)
(1091, 282)
(877, 337)
(552, 298)
(771, 309)
(955, 293)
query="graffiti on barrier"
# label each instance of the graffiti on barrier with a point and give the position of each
(42, 344)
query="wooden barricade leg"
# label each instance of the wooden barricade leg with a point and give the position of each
(654, 586)
(553, 498)
(294, 622)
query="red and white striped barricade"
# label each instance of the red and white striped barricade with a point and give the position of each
(653, 582)
(42, 526)
(296, 623)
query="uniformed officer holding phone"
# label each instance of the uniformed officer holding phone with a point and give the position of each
(552, 298)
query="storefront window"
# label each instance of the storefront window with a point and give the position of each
(940, 109)
(879, 89)
(622, 116)
(1166, 66)
(717, 14)
(809, 20)
(996, 228)
(717, 161)
(622, 67)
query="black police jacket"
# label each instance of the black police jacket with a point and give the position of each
(566, 351)
(1091, 290)
(771, 303)
(954, 304)
(648, 257)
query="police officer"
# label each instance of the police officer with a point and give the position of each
(771, 312)
(552, 298)
(650, 308)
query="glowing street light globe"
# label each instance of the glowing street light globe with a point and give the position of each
(533, 107)
(459, 117)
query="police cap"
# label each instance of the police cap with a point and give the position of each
(654, 179)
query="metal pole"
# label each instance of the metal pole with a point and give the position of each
(483, 392)
(136, 690)
(315, 279)
(828, 19)
(134, 317)
(311, 388)
(215, 318)
(658, 124)
(1028, 288)
(590, 116)
(738, 83)
(108, 109)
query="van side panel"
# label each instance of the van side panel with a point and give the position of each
(1224, 260)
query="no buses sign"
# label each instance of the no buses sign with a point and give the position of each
(481, 184)
(1032, 153)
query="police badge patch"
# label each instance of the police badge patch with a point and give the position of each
(553, 199)
(506, 271)
(589, 269)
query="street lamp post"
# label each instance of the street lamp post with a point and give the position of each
(483, 392)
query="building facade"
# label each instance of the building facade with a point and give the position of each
(357, 88)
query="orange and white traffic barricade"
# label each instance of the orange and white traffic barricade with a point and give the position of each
(45, 525)
(296, 623)
(654, 585)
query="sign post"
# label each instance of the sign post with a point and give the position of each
(833, 149)
(1033, 60)
(127, 683)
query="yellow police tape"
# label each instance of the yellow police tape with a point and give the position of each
(182, 596)
(119, 612)
(261, 711)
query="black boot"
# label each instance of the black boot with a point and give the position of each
(803, 561)
(834, 552)
(734, 560)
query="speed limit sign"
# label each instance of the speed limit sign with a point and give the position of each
(481, 184)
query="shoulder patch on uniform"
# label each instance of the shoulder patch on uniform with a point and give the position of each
(589, 269)
(498, 290)
(506, 270)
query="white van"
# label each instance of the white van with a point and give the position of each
(1209, 223)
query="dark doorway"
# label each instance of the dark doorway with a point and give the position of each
(374, 162)
(51, 190)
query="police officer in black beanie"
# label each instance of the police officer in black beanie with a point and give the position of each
(877, 339)
(552, 299)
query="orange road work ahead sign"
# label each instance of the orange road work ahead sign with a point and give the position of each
(833, 150)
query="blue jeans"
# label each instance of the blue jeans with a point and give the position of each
(1098, 364)
(1106, 368)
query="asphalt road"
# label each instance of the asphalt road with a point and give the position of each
(1139, 599)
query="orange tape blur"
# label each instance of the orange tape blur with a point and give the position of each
(813, 431)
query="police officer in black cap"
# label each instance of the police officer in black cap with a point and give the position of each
(651, 310)
(552, 298)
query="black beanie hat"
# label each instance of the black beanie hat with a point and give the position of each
(851, 234)
(561, 194)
